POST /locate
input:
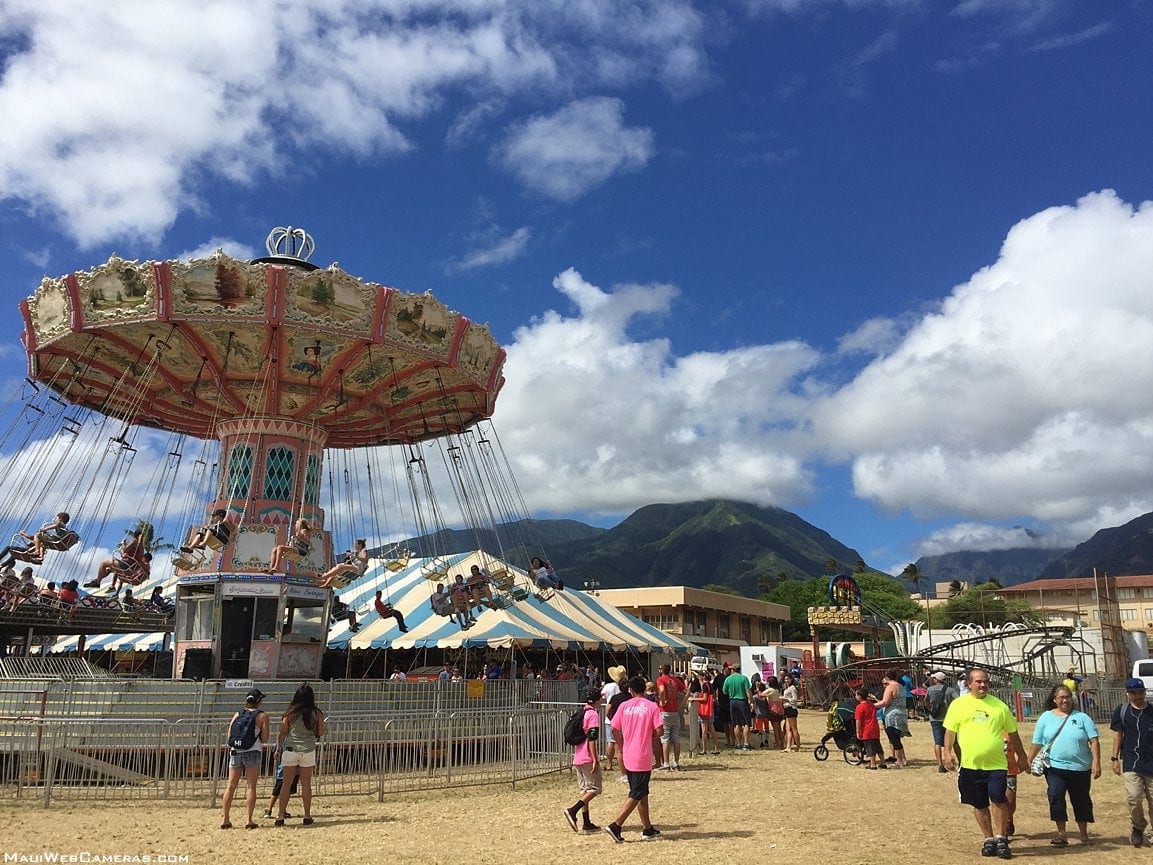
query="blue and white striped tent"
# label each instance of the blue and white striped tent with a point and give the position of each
(569, 620)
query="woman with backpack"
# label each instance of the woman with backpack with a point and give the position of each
(300, 728)
(247, 733)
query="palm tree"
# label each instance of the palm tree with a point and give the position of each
(955, 588)
(148, 539)
(913, 574)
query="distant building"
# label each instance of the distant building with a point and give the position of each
(716, 621)
(1091, 601)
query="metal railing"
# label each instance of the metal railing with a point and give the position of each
(55, 759)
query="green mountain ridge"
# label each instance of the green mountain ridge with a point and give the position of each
(717, 541)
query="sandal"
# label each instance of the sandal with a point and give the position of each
(307, 821)
(279, 821)
(250, 826)
(1058, 842)
(226, 825)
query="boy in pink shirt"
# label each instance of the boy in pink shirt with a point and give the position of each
(637, 722)
(587, 763)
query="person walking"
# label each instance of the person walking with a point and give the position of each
(614, 692)
(586, 761)
(670, 691)
(938, 696)
(1132, 726)
(739, 691)
(1069, 739)
(300, 727)
(247, 734)
(701, 693)
(896, 716)
(637, 723)
(978, 723)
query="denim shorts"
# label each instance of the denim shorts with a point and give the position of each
(244, 759)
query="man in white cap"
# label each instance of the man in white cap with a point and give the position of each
(1132, 726)
(938, 696)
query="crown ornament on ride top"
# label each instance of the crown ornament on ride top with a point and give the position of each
(288, 242)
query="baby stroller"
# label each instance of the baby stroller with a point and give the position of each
(841, 726)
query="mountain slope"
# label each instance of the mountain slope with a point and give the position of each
(1007, 567)
(698, 543)
(1121, 551)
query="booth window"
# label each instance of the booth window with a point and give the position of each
(304, 621)
(278, 466)
(196, 617)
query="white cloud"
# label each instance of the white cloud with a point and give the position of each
(874, 336)
(1067, 40)
(238, 250)
(119, 131)
(631, 423)
(982, 536)
(565, 154)
(1029, 392)
(497, 251)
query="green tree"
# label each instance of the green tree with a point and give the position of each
(860, 567)
(722, 588)
(765, 584)
(955, 588)
(831, 566)
(913, 574)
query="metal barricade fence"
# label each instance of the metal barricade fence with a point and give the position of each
(77, 759)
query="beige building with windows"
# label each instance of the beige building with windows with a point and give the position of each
(1091, 601)
(716, 621)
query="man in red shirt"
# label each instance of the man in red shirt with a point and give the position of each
(669, 692)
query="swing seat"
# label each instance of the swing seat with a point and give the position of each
(218, 540)
(445, 608)
(186, 562)
(436, 571)
(26, 556)
(502, 579)
(502, 602)
(60, 543)
(544, 594)
(398, 564)
(519, 593)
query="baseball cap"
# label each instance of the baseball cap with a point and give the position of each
(255, 695)
(1134, 685)
(939, 676)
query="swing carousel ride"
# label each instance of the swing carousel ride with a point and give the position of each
(268, 365)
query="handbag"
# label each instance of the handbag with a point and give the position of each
(1041, 761)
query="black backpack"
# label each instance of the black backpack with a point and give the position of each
(243, 733)
(574, 728)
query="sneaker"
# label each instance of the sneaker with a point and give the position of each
(1136, 837)
(651, 833)
(186, 549)
(615, 833)
(92, 584)
(1003, 851)
(590, 827)
(268, 814)
(571, 817)
(676, 767)
(664, 767)
(989, 847)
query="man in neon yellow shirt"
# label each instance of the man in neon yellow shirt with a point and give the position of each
(978, 723)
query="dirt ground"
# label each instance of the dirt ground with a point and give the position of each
(738, 807)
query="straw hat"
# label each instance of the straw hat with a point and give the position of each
(615, 674)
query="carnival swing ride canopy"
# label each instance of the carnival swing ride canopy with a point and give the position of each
(218, 347)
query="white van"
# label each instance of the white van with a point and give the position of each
(705, 664)
(1143, 670)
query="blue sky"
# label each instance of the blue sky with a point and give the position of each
(888, 264)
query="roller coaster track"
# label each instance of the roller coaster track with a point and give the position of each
(1031, 666)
